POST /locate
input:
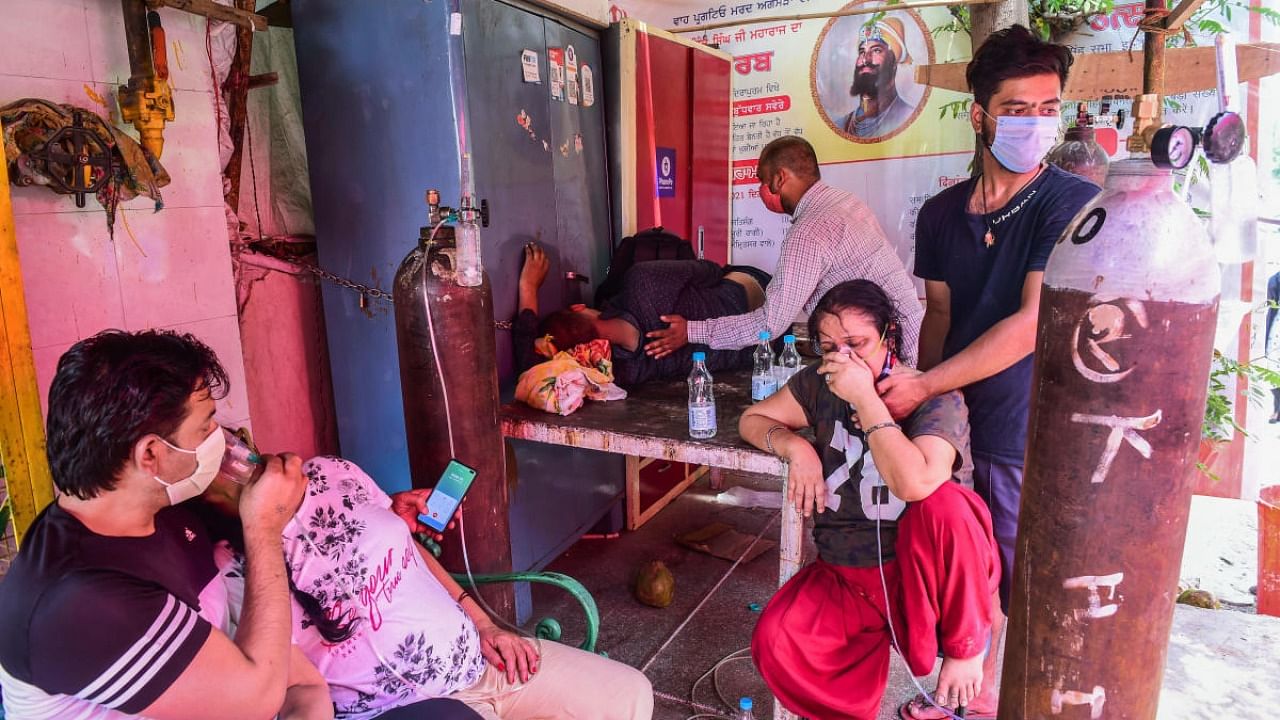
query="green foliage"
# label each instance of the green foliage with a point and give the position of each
(1205, 20)
(961, 21)
(957, 109)
(1219, 412)
(1210, 27)
(1055, 19)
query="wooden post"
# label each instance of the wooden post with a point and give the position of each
(26, 468)
(237, 94)
(1153, 56)
(986, 19)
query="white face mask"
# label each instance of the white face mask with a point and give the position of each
(208, 459)
(1021, 143)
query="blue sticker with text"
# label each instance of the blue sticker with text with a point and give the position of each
(666, 164)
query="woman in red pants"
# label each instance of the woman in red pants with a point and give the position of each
(893, 512)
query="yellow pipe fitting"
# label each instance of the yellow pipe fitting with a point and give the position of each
(1147, 119)
(148, 105)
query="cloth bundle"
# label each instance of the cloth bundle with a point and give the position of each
(28, 125)
(561, 384)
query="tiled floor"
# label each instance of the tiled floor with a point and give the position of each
(1219, 661)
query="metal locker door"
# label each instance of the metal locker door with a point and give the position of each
(541, 192)
(581, 174)
(513, 169)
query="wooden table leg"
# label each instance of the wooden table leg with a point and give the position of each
(792, 537)
(633, 492)
(789, 558)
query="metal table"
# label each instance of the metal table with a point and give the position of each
(653, 423)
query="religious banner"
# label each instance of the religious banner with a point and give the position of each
(847, 85)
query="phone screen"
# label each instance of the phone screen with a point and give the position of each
(446, 496)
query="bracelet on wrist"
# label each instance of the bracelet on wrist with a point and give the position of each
(768, 438)
(880, 426)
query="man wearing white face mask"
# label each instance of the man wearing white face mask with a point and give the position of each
(98, 613)
(981, 248)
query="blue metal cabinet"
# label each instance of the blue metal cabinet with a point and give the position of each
(380, 131)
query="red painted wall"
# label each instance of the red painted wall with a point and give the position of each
(682, 103)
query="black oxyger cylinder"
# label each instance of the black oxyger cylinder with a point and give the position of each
(449, 379)
(1127, 319)
(1080, 153)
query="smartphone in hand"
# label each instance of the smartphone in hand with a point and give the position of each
(447, 495)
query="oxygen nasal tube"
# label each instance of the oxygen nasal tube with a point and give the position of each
(893, 635)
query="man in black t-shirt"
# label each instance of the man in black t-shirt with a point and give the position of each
(981, 248)
(99, 610)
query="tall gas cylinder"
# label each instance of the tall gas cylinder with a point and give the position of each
(1125, 338)
(449, 379)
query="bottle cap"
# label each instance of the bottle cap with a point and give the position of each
(789, 339)
(744, 704)
(699, 357)
(764, 335)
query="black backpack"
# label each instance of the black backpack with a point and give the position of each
(652, 244)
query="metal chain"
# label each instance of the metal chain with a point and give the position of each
(344, 282)
(364, 290)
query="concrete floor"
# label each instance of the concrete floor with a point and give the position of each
(1220, 661)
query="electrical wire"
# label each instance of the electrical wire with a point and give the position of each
(714, 674)
(712, 591)
(462, 529)
(707, 710)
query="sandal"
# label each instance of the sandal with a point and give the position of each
(918, 708)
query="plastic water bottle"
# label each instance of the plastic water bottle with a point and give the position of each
(744, 710)
(702, 400)
(788, 360)
(763, 381)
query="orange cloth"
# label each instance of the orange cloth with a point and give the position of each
(560, 384)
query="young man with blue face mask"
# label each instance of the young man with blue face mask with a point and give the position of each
(981, 248)
(99, 611)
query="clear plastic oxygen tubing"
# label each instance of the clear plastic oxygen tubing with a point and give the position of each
(391, 666)
(893, 635)
(470, 269)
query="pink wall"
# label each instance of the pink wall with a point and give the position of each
(176, 271)
(286, 358)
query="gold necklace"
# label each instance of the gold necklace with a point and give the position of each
(990, 239)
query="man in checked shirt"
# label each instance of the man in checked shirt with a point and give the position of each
(833, 237)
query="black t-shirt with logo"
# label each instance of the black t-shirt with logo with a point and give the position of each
(845, 532)
(98, 627)
(986, 287)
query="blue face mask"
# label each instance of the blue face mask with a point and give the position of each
(1020, 143)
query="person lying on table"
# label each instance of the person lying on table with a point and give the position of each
(389, 628)
(696, 288)
(893, 512)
